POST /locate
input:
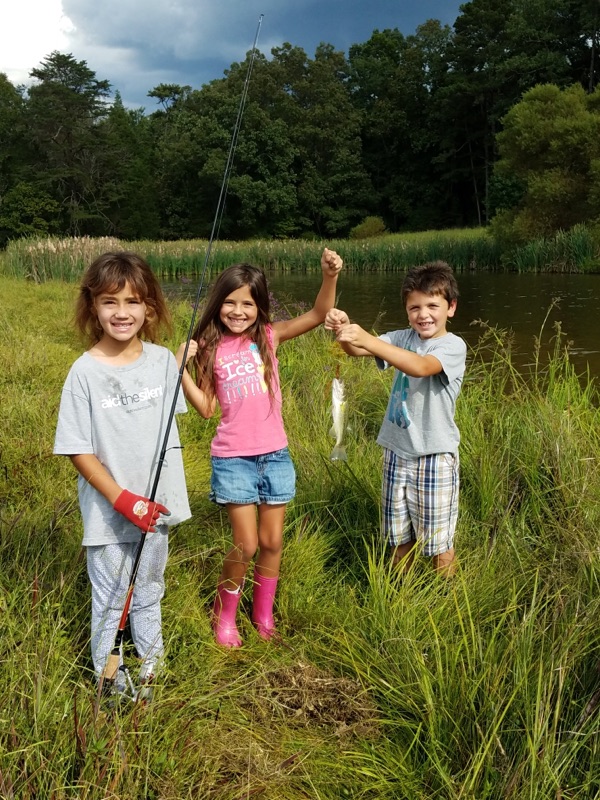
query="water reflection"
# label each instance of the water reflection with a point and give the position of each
(520, 303)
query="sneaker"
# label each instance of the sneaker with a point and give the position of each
(145, 694)
(149, 669)
(113, 696)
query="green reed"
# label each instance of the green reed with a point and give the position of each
(48, 258)
(483, 688)
(575, 250)
(65, 259)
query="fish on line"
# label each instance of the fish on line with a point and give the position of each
(339, 410)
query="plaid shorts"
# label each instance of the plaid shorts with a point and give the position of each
(419, 500)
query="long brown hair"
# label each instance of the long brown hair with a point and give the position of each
(109, 273)
(210, 329)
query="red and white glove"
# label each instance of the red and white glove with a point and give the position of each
(140, 510)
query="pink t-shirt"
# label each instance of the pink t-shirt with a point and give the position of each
(251, 422)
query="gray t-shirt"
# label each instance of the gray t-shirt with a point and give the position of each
(119, 414)
(419, 419)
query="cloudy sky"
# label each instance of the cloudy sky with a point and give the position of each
(137, 44)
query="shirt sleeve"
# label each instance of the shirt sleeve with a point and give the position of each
(451, 352)
(74, 427)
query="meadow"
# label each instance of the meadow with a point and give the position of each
(481, 688)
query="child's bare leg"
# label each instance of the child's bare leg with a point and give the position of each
(266, 572)
(245, 542)
(270, 539)
(445, 563)
(229, 589)
(403, 556)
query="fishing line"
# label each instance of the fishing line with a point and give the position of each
(214, 230)
(112, 664)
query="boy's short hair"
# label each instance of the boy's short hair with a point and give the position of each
(435, 277)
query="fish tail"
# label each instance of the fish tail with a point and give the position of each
(338, 453)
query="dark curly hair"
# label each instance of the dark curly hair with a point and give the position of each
(435, 277)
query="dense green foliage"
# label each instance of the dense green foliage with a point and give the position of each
(550, 146)
(482, 689)
(403, 127)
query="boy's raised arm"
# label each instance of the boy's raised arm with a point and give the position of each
(355, 341)
(336, 320)
(331, 264)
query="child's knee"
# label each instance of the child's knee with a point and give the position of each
(403, 554)
(445, 563)
(243, 551)
(272, 544)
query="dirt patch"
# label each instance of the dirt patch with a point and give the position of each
(306, 695)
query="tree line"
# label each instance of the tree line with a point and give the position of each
(422, 131)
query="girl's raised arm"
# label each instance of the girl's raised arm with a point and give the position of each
(331, 264)
(203, 404)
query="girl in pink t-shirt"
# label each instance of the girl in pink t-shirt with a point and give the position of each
(234, 349)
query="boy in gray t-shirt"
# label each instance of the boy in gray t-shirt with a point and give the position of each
(418, 434)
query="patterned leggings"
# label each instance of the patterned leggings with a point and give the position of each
(109, 569)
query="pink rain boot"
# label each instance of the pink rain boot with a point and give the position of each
(262, 605)
(224, 613)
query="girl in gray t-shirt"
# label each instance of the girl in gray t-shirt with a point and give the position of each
(112, 420)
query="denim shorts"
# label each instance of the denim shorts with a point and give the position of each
(269, 478)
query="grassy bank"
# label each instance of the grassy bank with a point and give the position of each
(410, 691)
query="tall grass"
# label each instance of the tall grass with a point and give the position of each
(65, 259)
(486, 687)
(575, 250)
(469, 249)
(42, 259)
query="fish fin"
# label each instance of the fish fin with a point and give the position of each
(338, 453)
(332, 432)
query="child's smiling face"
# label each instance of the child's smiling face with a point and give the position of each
(121, 314)
(238, 311)
(428, 313)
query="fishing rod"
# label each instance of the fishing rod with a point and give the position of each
(112, 664)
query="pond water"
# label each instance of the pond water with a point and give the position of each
(519, 303)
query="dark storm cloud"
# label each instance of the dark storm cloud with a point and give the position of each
(137, 45)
